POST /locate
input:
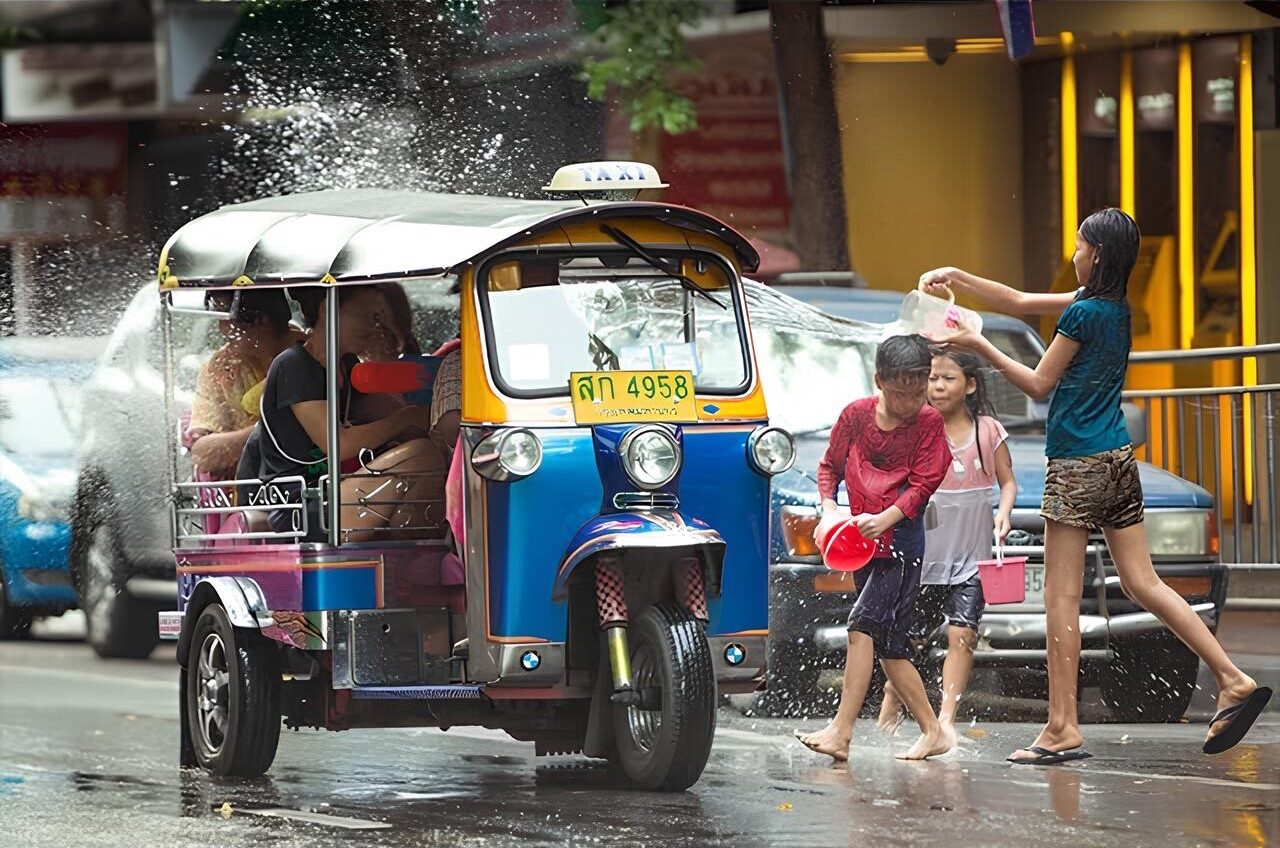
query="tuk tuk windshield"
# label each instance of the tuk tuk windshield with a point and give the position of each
(606, 320)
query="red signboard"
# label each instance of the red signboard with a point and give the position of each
(63, 160)
(731, 166)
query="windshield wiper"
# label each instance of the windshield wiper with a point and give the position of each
(658, 263)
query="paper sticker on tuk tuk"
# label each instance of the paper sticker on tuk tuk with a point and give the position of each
(622, 397)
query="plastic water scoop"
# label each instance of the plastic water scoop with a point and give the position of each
(1003, 578)
(924, 313)
(843, 547)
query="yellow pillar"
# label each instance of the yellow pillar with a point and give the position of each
(1248, 255)
(1128, 176)
(1069, 147)
(1186, 199)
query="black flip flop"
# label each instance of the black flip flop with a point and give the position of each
(1046, 757)
(1239, 719)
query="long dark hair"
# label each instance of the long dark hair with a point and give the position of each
(1116, 237)
(979, 402)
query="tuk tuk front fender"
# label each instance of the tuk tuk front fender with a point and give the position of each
(649, 530)
(241, 597)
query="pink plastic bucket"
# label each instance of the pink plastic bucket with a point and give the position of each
(1003, 579)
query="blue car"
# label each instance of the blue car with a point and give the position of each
(820, 356)
(39, 416)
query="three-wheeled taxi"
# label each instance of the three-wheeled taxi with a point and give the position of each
(585, 566)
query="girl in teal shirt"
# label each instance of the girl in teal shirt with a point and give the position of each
(1091, 481)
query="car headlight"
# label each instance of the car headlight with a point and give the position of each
(772, 451)
(1178, 532)
(650, 456)
(507, 454)
(35, 508)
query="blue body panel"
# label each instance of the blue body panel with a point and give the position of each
(530, 523)
(27, 546)
(339, 588)
(536, 524)
(719, 486)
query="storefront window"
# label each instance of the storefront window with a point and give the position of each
(1155, 106)
(1098, 105)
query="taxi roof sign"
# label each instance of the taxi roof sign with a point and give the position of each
(605, 176)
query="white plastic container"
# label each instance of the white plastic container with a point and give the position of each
(924, 313)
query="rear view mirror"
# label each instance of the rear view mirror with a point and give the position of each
(1135, 421)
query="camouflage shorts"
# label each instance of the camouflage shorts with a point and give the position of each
(1095, 491)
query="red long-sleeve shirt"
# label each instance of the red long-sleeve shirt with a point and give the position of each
(883, 468)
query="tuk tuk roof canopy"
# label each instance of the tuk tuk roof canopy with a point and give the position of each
(364, 235)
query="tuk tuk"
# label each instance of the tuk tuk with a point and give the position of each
(586, 567)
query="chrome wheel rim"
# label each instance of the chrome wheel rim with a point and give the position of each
(213, 693)
(645, 725)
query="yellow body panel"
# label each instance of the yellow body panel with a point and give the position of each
(482, 403)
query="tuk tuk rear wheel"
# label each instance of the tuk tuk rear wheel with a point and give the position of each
(668, 748)
(232, 696)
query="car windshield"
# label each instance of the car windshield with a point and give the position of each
(39, 416)
(601, 321)
(811, 364)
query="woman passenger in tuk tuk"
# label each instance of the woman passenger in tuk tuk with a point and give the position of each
(291, 438)
(225, 409)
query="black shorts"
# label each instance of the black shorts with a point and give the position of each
(960, 604)
(886, 605)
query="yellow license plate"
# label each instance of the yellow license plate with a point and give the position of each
(623, 397)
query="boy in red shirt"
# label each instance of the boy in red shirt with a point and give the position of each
(891, 451)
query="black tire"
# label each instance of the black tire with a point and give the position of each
(119, 625)
(1024, 684)
(237, 672)
(14, 622)
(1150, 681)
(667, 749)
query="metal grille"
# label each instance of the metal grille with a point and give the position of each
(646, 501)
(691, 588)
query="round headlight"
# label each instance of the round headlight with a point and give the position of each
(650, 457)
(507, 454)
(772, 451)
(520, 453)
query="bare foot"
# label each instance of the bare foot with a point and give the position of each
(890, 723)
(930, 745)
(828, 741)
(1229, 696)
(1054, 739)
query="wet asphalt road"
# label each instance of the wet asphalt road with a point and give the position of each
(88, 753)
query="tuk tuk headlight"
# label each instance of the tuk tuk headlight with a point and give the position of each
(771, 450)
(650, 456)
(508, 454)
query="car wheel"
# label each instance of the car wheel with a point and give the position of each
(667, 748)
(119, 625)
(1151, 680)
(15, 623)
(232, 696)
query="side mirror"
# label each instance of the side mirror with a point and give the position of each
(1135, 421)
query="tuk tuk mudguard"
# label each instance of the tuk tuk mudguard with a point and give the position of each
(622, 531)
(241, 597)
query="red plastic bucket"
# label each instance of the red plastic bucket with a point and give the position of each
(843, 547)
(1003, 578)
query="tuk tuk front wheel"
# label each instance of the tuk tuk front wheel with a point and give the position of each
(667, 748)
(232, 696)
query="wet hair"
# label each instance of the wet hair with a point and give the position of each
(218, 300)
(907, 358)
(979, 402)
(1116, 237)
(248, 306)
(402, 314)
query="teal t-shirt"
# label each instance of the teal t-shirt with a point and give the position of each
(1084, 415)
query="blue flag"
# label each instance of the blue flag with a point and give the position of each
(1018, 26)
